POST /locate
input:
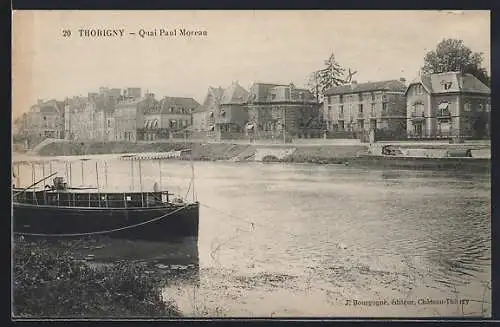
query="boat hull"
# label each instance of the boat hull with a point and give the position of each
(169, 223)
(401, 162)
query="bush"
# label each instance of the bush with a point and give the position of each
(49, 282)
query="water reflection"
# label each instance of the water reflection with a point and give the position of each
(300, 239)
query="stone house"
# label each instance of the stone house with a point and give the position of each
(362, 107)
(168, 117)
(232, 115)
(45, 120)
(204, 115)
(448, 105)
(278, 109)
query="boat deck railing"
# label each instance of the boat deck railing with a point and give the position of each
(95, 200)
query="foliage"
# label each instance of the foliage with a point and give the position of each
(333, 74)
(453, 55)
(48, 282)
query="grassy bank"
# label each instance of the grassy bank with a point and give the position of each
(312, 153)
(204, 151)
(49, 282)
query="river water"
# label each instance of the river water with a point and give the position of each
(301, 240)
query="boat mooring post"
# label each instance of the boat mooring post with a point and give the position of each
(106, 173)
(140, 182)
(82, 160)
(33, 180)
(70, 180)
(159, 166)
(66, 171)
(43, 172)
(81, 164)
(132, 173)
(18, 176)
(97, 178)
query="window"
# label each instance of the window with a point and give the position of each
(109, 123)
(443, 109)
(384, 106)
(446, 84)
(373, 96)
(361, 108)
(341, 110)
(467, 106)
(418, 109)
(329, 99)
(480, 107)
(373, 108)
(341, 98)
(419, 90)
(488, 107)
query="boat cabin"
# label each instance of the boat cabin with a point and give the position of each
(59, 194)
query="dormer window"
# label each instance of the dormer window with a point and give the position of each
(446, 84)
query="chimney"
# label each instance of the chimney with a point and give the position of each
(403, 80)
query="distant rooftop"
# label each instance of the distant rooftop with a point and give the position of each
(389, 85)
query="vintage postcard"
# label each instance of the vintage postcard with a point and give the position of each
(251, 164)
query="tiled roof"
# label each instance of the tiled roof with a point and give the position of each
(50, 106)
(433, 83)
(234, 94)
(213, 98)
(390, 85)
(179, 102)
(261, 92)
(128, 102)
(471, 84)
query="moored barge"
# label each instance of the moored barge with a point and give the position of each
(59, 210)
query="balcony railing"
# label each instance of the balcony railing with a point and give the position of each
(373, 114)
(361, 114)
(432, 135)
(417, 115)
(443, 114)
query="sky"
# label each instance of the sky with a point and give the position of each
(245, 46)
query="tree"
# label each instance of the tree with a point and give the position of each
(453, 55)
(333, 74)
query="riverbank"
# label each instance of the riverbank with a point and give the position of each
(52, 280)
(314, 151)
(212, 151)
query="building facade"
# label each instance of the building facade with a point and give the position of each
(92, 117)
(45, 120)
(229, 121)
(277, 110)
(168, 117)
(204, 115)
(448, 105)
(364, 107)
(129, 116)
